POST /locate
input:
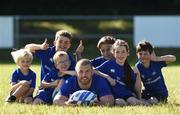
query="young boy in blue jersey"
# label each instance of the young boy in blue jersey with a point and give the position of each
(23, 79)
(126, 82)
(54, 79)
(104, 45)
(45, 53)
(149, 68)
(85, 80)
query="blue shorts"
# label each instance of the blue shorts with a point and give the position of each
(146, 95)
(44, 95)
(121, 91)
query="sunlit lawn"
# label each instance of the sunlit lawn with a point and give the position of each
(172, 78)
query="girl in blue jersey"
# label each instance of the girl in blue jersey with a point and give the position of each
(126, 81)
(23, 79)
(45, 53)
(104, 45)
(54, 79)
(149, 68)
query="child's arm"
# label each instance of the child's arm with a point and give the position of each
(138, 85)
(14, 86)
(53, 84)
(69, 72)
(110, 80)
(79, 51)
(33, 47)
(166, 58)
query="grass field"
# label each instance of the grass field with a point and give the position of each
(172, 78)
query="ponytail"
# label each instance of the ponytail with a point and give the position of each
(127, 73)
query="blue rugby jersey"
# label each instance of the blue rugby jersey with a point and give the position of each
(46, 57)
(152, 78)
(18, 76)
(98, 86)
(116, 71)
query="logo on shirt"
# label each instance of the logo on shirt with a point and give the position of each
(48, 68)
(112, 70)
(51, 59)
(52, 79)
(154, 73)
(142, 76)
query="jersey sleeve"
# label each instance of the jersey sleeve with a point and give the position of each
(41, 53)
(33, 83)
(104, 88)
(162, 64)
(102, 68)
(14, 77)
(73, 62)
(66, 88)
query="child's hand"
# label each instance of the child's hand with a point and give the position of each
(80, 48)
(24, 82)
(56, 82)
(44, 45)
(112, 81)
(153, 56)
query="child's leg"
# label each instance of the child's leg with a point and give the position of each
(28, 100)
(135, 101)
(152, 100)
(120, 102)
(18, 93)
(38, 101)
(43, 97)
(21, 91)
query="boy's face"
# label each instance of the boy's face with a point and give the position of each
(24, 64)
(144, 56)
(105, 50)
(121, 54)
(63, 64)
(62, 43)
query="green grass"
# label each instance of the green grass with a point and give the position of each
(171, 75)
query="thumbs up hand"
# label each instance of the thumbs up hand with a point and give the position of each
(44, 45)
(80, 48)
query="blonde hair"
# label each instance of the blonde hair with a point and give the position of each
(58, 55)
(119, 43)
(64, 33)
(83, 62)
(21, 54)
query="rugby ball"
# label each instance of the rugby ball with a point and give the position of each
(83, 97)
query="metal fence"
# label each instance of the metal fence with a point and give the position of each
(19, 36)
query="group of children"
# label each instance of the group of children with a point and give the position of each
(57, 65)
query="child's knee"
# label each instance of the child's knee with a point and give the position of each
(28, 100)
(120, 102)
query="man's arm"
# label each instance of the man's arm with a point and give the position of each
(60, 100)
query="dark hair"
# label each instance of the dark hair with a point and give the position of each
(127, 73)
(106, 40)
(144, 46)
(63, 33)
(127, 68)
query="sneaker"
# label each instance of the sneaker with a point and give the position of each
(11, 99)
